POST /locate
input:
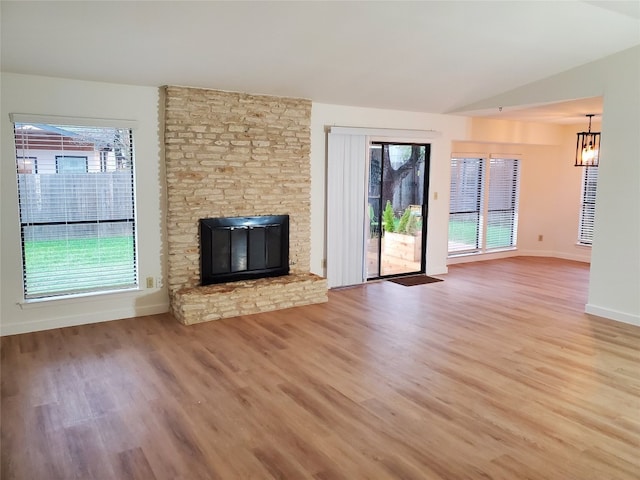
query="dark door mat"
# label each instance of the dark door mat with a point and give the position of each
(411, 280)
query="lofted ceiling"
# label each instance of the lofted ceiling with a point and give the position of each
(569, 112)
(430, 56)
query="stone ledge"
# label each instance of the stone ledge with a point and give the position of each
(214, 302)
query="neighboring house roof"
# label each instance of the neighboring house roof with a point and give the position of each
(43, 137)
(52, 137)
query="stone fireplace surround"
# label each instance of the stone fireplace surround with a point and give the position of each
(234, 154)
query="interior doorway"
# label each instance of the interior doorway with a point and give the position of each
(397, 209)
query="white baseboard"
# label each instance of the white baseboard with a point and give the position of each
(576, 257)
(517, 253)
(612, 314)
(82, 319)
(437, 270)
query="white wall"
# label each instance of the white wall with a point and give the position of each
(568, 195)
(614, 290)
(615, 271)
(450, 127)
(615, 258)
(52, 96)
(550, 185)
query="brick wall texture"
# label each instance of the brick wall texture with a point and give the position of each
(234, 154)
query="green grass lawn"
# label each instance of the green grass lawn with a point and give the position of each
(465, 233)
(54, 266)
(462, 232)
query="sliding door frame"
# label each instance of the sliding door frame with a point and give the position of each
(424, 205)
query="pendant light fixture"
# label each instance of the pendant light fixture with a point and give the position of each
(588, 147)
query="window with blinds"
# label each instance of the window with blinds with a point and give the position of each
(483, 213)
(588, 205)
(466, 205)
(502, 211)
(77, 208)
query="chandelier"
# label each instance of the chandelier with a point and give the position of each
(588, 147)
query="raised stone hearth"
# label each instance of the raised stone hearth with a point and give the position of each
(232, 154)
(213, 302)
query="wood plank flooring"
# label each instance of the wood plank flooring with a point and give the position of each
(495, 373)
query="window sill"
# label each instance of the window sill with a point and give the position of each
(463, 254)
(75, 298)
(583, 245)
(480, 253)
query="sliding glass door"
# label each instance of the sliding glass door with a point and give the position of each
(398, 180)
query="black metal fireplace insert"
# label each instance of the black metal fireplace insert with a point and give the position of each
(243, 248)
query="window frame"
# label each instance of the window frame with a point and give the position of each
(94, 225)
(22, 159)
(512, 192)
(75, 157)
(588, 201)
(483, 193)
(478, 201)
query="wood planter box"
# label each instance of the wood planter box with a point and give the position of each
(399, 245)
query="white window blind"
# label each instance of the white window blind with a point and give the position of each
(483, 212)
(588, 205)
(77, 208)
(502, 203)
(466, 204)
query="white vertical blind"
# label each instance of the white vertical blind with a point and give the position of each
(77, 216)
(346, 201)
(588, 205)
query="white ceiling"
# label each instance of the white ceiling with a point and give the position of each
(429, 56)
(569, 112)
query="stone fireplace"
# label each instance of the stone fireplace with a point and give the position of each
(232, 154)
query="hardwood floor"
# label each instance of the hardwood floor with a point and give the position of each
(495, 373)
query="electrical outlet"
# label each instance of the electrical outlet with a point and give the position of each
(540, 237)
(159, 282)
(150, 282)
(435, 195)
